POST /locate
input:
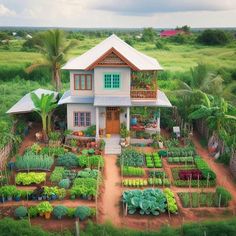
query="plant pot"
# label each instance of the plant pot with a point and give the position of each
(44, 197)
(34, 198)
(74, 149)
(53, 197)
(17, 198)
(9, 198)
(90, 198)
(160, 144)
(40, 198)
(2, 199)
(47, 215)
(41, 214)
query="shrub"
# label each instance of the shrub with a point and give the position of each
(71, 212)
(20, 212)
(64, 183)
(82, 212)
(33, 211)
(57, 175)
(68, 160)
(44, 207)
(60, 211)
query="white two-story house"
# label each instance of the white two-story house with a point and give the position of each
(102, 82)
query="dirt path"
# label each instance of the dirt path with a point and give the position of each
(224, 177)
(112, 192)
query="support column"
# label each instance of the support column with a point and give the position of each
(97, 122)
(159, 121)
(128, 119)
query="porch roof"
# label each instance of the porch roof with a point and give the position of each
(67, 98)
(161, 101)
(25, 104)
(112, 101)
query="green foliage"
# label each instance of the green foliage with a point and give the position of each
(149, 35)
(181, 152)
(124, 133)
(135, 182)
(132, 171)
(223, 196)
(148, 201)
(68, 160)
(214, 37)
(54, 136)
(91, 161)
(224, 158)
(82, 212)
(31, 161)
(20, 212)
(171, 202)
(44, 207)
(59, 211)
(84, 187)
(57, 175)
(8, 190)
(33, 211)
(30, 178)
(88, 173)
(64, 183)
(53, 151)
(180, 160)
(90, 131)
(131, 157)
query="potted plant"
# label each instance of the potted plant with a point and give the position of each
(45, 208)
(17, 196)
(73, 144)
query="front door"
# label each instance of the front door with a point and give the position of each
(112, 120)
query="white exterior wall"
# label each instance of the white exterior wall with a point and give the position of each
(124, 89)
(81, 92)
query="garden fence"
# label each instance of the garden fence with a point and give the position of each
(4, 154)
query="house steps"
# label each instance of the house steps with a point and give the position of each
(112, 145)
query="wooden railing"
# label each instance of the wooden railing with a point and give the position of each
(143, 94)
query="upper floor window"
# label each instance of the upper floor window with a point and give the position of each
(112, 81)
(83, 82)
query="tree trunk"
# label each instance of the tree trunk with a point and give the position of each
(44, 123)
(49, 123)
(56, 78)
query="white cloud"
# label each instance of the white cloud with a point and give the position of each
(4, 11)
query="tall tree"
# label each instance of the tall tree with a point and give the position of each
(54, 49)
(44, 106)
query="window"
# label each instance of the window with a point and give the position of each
(82, 119)
(83, 82)
(111, 81)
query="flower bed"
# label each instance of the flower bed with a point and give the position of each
(31, 161)
(131, 157)
(190, 174)
(145, 202)
(30, 178)
(194, 183)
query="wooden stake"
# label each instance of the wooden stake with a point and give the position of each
(77, 227)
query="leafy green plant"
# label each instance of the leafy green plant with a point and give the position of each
(30, 178)
(53, 151)
(132, 171)
(58, 174)
(44, 207)
(223, 196)
(64, 183)
(33, 211)
(30, 161)
(54, 136)
(73, 142)
(91, 161)
(148, 201)
(68, 160)
(82, 212)
(59, 211)
(171, 202)
(20, 212)
(131, 157)
(88, 173)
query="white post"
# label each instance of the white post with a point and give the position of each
(97, 122)
(128, 119)
(159, 121)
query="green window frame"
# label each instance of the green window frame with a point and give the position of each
(112, 81)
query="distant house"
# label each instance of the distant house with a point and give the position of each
(28, 36)
(171, 33)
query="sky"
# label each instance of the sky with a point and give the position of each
(118, 13)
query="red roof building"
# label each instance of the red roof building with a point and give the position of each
(170, 33)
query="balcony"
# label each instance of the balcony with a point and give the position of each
(139, 94)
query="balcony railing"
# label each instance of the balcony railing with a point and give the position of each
(143, 94)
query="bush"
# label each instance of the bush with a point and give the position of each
(68, 160)
(57, 174)
(20, 212)
(60, 211)
(71, 212)
(33, 211)
(64, 183)
(82, 212)
(213, 37)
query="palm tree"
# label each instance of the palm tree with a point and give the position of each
(54, 50)
(44, 106)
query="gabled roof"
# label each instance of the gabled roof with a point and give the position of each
(135, 59)
(25, 104)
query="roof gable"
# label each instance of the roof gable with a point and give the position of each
(133, 58)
